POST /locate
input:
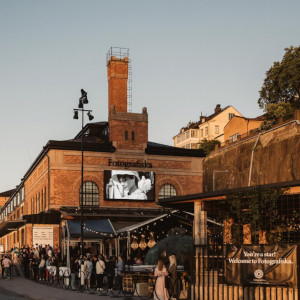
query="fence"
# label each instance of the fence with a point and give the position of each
(209, 282)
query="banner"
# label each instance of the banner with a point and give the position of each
(261, 264)
(42, 236)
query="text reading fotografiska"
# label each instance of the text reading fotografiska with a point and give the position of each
(129, 164)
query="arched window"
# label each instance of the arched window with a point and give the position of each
(90, 193)
(166, 191)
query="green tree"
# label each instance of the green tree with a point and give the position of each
(208, 145)
(282, 82)
(274, 111)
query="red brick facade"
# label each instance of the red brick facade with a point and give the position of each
(54, 180)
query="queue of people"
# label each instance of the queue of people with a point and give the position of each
(37, 259)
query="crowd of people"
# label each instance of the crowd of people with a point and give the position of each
(36, 260)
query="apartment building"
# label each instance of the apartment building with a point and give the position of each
(209, 128)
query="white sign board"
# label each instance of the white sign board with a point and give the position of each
(1, 248)
(42, 236)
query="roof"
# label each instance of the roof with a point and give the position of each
(7, 193)
(259, 118)
(95, 138)
(207, 118)
(160, 149)
(180, 201)
(8, 226)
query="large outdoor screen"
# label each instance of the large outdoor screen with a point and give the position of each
(129, 185)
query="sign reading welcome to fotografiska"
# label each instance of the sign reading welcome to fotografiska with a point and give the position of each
(42, 235)
(261, 264)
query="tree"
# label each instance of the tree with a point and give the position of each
(208, 145)
(282, 82)
(274, 111)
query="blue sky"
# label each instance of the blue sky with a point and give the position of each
(187, 56)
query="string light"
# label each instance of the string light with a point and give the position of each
(142, 243)
(151, 242)
(134, 244)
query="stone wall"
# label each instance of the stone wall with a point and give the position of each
(275, 159)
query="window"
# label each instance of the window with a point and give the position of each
(18, 199)
(90, 193)
(126, 135)
(15, 201)
(230, 116)
(234, 138)
(22, 194)
(166, 191)
(45, 198)
(201, 133)
(206, 130)
(187, 134)
(194, 133)
(217, 130)
(132, 135)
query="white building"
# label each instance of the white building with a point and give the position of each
(209, 128)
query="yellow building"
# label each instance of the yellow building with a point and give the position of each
(209, 128)
(239, 126)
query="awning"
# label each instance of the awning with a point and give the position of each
(9, 226)
(173, 214)
(92, 229)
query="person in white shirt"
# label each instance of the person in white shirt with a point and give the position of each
(100, 268)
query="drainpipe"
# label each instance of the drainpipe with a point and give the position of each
(251, 161)
(48, 180)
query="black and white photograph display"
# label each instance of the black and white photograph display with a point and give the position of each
(129, 185)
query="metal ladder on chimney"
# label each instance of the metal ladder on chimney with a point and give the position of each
(129, 87)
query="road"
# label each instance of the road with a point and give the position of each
(9, 295)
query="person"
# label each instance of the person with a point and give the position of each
(42, 268)
(25, 262)
(124, 185)
(88, 270)
(120, 270)
(6, 265)
(110, 271)
(2, 268)
(138, 260)
(173, 276)
(100, 267)
(160, 292)
(74, 271)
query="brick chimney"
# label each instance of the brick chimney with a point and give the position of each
(117, 75)
(126, 130)
(218, 108)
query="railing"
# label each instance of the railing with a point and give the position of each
(129, 284)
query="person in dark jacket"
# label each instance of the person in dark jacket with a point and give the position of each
(110, 272)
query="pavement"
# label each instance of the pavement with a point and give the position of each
(36, 291)
(8, 295)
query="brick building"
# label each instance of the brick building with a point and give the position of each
(49, 194)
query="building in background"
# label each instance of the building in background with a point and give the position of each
(45, 209)
(209, 128)
(240, 126)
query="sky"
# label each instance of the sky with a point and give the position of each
(187, 57)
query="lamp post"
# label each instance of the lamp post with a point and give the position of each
(82, 101)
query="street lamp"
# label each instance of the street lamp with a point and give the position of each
(82, 101)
